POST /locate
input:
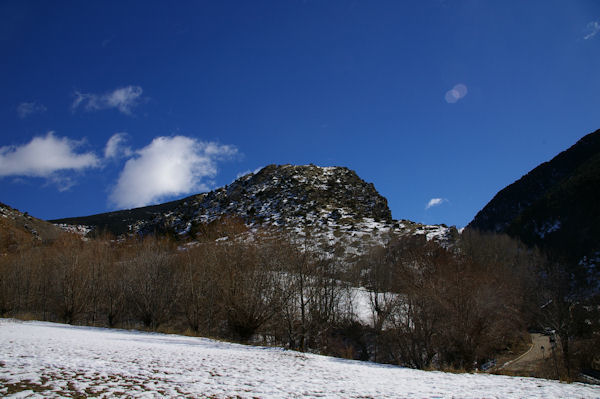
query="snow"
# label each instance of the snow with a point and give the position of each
(547, 228)
(433, 232)
(79, 229)
(360, 300)
(361, 305)
(54, 360)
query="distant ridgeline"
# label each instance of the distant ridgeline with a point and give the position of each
(556, 206)
(283, 196)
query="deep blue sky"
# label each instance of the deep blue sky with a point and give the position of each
(232, 86)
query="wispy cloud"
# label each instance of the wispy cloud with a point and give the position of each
(48, 157)
(168, 166)
(28, 108)
(591, 29)
(124, 99)
(107, 41)
(435, 202)
(244, 173)
(116, 148)
(456, 93)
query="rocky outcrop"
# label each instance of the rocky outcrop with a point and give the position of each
(333, 201)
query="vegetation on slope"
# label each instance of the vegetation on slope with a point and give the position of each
(19, 230)
(555, 206)
(427, 306)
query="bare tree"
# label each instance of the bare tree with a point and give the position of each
(379, 282)
(150, 275)
(250, 292)
(199, 282)
(71, 277)
(567, 307)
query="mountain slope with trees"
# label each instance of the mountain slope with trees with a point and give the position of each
(555, 206)
(310, 259)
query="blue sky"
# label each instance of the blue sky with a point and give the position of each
(440, 104)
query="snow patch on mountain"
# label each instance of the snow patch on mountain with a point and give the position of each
(547, 228)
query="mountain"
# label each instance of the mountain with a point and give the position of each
(18, 229)
(556, 206)
(333, 201)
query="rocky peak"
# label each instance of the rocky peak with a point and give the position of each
(283, 195)
(332, 202)
(280, 193)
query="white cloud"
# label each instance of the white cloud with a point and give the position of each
(435, 202)
(592, 29)
(25, 109)
(123, 99)
(168, 166)
(115, 146)
(456, 93)
(46, 157)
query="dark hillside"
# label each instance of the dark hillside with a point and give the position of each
(119, 222)
(555, 206)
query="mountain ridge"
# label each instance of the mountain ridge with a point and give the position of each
(292, 197)
(554, 206)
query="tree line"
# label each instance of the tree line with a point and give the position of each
(431, 307)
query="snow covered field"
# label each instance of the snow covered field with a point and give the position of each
(52, 360)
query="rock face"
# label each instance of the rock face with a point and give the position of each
(555, 206)
(279, 195)
(293, 197)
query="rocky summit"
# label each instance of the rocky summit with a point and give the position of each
(332, 200)
(294, 195)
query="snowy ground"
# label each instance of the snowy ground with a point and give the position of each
(51, 360)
